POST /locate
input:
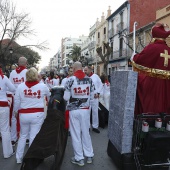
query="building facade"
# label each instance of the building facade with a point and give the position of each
(144, 12)
(118, 29)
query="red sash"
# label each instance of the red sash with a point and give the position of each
(4, 104)
(31, 110)
(66, 119)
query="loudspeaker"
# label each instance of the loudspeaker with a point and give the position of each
(156, 147)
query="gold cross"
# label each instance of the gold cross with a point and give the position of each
(166, 57)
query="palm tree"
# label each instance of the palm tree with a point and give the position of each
(75, 53)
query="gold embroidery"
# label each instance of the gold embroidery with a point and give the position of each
(56, 100)
(152, 72)
(154, 39)
(166, 57)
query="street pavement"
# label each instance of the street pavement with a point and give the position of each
(101, 160)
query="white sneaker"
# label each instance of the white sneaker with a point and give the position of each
(19, 161)
(9, 155)
(89, 160)
(80, 162)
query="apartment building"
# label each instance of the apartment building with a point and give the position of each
(101, 35)
(67, 46)
(118, 29)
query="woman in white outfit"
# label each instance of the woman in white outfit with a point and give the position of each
(106, 91)
(5, 85)
(29, 103)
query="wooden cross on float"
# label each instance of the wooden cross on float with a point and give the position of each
(166, 57)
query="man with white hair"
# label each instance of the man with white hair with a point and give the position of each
(17, 77)
(79, 90)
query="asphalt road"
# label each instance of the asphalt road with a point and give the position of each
(101, 160)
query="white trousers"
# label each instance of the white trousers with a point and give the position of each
(30, 123)
(79, 129)
(107, 100)
(95, 116)
(13, 122)
(5, 132)
(13, 128)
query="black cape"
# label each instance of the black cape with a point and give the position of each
(51, 140)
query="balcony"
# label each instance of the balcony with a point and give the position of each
(118, 54)
(91, 45)
(120, 27)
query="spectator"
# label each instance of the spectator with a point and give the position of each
(17, 76)
(79, 91)
(4, 115)
(95, 103)
(29, 103)
(51, 81)
(106, 91)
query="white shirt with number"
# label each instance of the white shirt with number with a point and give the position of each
(79, 92)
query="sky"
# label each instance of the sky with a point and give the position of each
(53, 20)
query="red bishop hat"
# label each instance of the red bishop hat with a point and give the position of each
(160, 31)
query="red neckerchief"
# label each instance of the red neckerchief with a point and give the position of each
(67, 76)
(29, 84)
(79, 74)
(90, 74)
(107, 82)
(20, 68)
(49, 78)
(1, 73)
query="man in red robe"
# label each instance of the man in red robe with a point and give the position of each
(153, 66)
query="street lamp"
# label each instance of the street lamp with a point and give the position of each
(11, 52)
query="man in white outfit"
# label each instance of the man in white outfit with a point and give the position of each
(79, 90)
(95, 103)
(17, 77)
(63, 83)
(51, 81)
(70, 73)
(5, 85)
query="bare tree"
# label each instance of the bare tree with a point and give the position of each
(104, 57)
(13, 26)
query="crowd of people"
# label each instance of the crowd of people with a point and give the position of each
(23, 102)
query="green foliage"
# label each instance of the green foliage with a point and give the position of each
(33, 57)
(75, 53)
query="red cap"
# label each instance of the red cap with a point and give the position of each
(158, 31)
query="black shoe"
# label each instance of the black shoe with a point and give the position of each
(13, 143)
(96, 130)
(27, 141)
(69, 134)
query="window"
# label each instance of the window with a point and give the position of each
(112, 27)
(104, 30)
(120, 47)
(121, 16)
(112, 50)
(98, 35)
(104, 49)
